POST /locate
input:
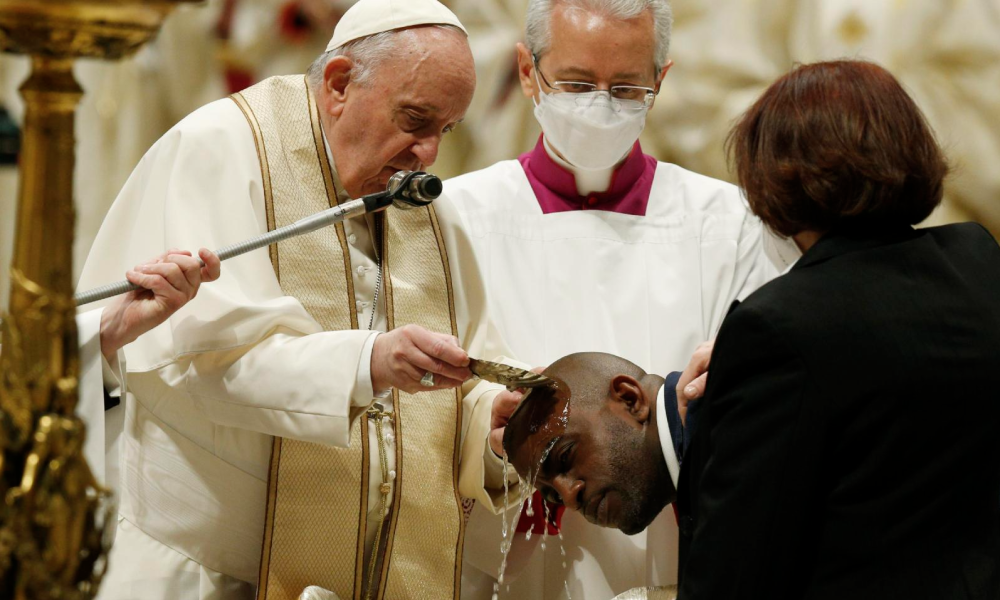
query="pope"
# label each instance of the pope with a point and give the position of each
(306, 420)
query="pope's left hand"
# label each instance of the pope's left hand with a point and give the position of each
(504, 406)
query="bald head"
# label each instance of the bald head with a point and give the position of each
(589, 374)
(584, 380)
(592, 443)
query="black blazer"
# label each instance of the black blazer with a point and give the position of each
(848, 446)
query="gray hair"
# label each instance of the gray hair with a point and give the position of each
(366, 53)
(538, 32)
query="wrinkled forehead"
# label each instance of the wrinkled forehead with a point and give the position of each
(438, 84)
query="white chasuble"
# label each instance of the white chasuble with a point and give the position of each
(648, 287)
(246, 362)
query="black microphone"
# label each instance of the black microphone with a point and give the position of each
(413, 189)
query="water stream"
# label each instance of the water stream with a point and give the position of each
(557, 426)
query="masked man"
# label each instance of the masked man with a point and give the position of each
(278, 373)
(587, 243)
(827, 458)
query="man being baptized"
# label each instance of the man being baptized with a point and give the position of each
(599, 441)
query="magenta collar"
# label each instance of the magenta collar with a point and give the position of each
(555, 187)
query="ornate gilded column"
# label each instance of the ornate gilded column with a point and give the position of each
(50, 528)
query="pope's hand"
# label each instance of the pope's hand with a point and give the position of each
(691, 385)
(402, 357)
(167, 283)
(503, 407)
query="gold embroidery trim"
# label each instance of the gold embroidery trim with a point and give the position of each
(446, 265)
(272, 491)
(398, 489)
(265, 172)
(331, 194)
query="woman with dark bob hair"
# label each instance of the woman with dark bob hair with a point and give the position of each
(848, 444)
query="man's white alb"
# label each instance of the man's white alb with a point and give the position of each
(648, 288)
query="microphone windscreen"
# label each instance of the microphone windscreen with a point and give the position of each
(430, 187)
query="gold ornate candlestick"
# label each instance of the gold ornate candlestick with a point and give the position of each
(50, 535)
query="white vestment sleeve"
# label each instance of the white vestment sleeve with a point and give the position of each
(481, 473)
(90, 404)
(364, 391)
(296, 386)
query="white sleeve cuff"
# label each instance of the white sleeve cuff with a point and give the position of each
(672, 464)
(493, 472)
(363, 393)
(666, 440)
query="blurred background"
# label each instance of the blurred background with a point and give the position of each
(726, 52)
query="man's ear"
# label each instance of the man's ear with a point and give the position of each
(627, 394)
(336, 78)
(663, 73)
(526, 72)
(659, 78)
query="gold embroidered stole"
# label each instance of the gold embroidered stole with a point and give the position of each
(317, 504)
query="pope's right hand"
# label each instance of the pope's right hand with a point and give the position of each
(166, 283)
(401, 358)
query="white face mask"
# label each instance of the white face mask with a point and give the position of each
(590, 130)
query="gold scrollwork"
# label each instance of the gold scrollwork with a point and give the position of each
(51, 543)
(51, 530)
(48, 526)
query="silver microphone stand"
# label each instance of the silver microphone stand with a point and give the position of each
(406, 190)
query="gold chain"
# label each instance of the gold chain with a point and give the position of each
(377, 414)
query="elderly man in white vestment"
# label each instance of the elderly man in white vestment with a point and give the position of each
(588, 244)
(278, 372)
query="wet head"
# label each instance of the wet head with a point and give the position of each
(594, 449)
